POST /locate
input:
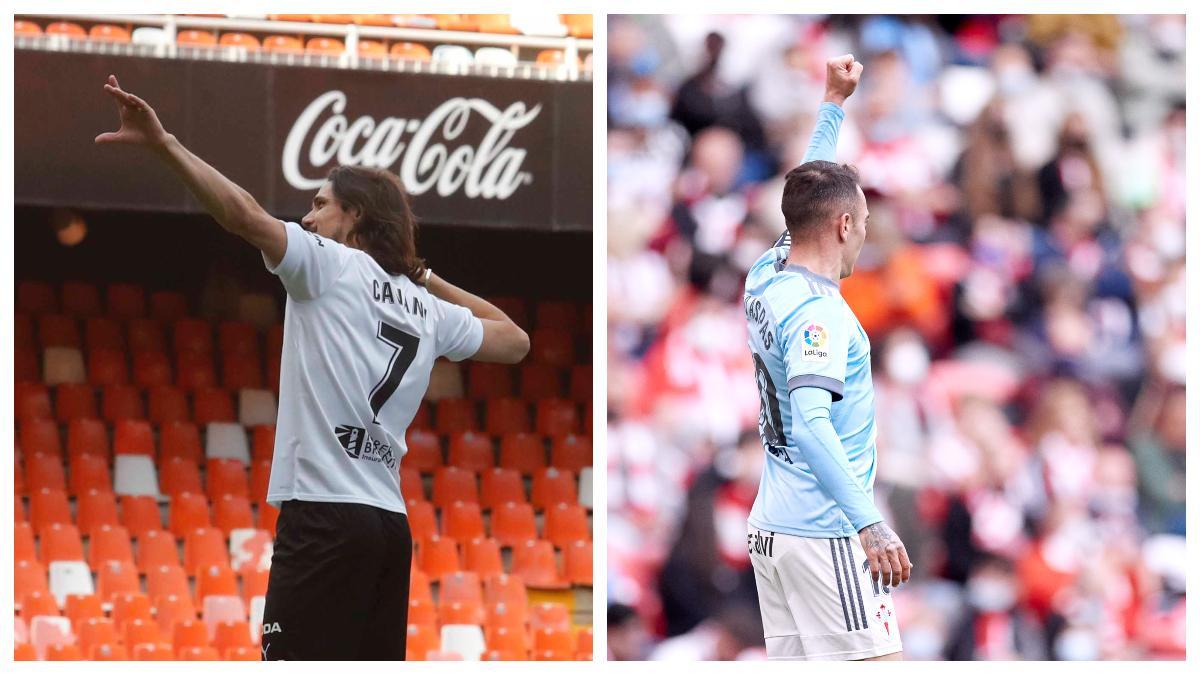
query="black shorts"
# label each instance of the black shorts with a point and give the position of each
(338, 589)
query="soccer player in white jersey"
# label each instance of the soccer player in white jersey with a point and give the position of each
(365, 320)
(824, 593)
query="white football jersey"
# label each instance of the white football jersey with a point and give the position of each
(358, 347)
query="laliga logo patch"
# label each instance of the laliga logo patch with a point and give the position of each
(815, 339)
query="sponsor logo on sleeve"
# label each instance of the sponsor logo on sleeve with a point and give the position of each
(816, 339)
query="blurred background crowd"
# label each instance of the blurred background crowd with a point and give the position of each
(1022, 284)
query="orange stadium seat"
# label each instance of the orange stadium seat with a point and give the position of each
(254, 583)
(552, 644)
(157, 548)
(89, 472)
(556, 417)
(47, 508)
(494, 23)
(524, 452)
(96, 632)
(462, 521)
(212, 405)
(506, 416)
(455, 414)
(553, 58)
(275, 340)
(578, 25)
(488, 380)
(423, 418)
(121, 402)
(451, 484)
(290, 17)
(133, 437)
(26, 28)
(460, 586)
(191, 635)
(26, 365)
(57, 330)
(500, 485)
(192, 335)
(107, 366)
(126, 301)
(179, 439)
(419, 586)
(63, 652)
(187, 512)
(115, 578)
(571, 452)
(67, 28)
(151, 369)
(194, 653)
(438, 556)
(36, 297)
(481, 555)
(411, 51)
(422, 520)
(80, 608)
(109, 543)
(552, 346)
(74, 400)
(567, 524)
(173, 608)
(231, 512)
(471, 451)
(513, 523)
(552, 486)
(260, 479)
(168, 306)
(226, 477)
(168, 405)
(266, 518)
(557, 314)
(507, 644)
(96, 508)
(108, 33)
(421, 640)
(29, 576)
(581, 383)
(283, 44)
(87, 437)
(44, 471)
(372, 48)
(153, 652)
(39, 436)
(176, 475)
(139, 632)
(204, 547)
(460, 612)
(535, 563)
(384, 20)
(237, 338)
(101, 332)
(140, 514)
(324, 45)
(263, 441)
(166, 580)
(540, 381)
(549, 615)
(456, 22)
(23, 542)
(240, 40)
(81, 299)
(411, 484)
(145, 335)
(241, 371)
(242, 653)
(216, 580)
(421, 611)
(195, 38)
(424, 450)
(231, 635)
(339, 19)
(195, 371)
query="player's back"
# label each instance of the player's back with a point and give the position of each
(359, 346)
(803, 334)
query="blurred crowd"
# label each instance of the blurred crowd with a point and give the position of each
(1022, 284)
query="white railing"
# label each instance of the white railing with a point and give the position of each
(348, 33)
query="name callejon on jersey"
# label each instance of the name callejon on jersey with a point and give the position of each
(358, 349)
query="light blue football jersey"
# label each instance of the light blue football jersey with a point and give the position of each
(803, 334)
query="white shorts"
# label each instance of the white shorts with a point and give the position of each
(817, 599)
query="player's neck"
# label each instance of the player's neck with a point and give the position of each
(812, 258)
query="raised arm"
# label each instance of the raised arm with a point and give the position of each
(841, 79)
(503, 340)
(234, 208)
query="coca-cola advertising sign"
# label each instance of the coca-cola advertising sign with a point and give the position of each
(470, 150)
(428, 154)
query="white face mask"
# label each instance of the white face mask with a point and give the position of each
(907, 362)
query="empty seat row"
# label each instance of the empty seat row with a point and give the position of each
(159, 404)
(172, 437)
(511, 523)
(139, 514)
(476, 451)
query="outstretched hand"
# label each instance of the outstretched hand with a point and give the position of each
(841, 78)
(139, 124)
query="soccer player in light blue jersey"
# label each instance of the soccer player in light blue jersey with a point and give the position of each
(824, 593)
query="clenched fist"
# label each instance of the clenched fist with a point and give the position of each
(841, 78)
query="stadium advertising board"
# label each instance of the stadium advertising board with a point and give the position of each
(471, 150)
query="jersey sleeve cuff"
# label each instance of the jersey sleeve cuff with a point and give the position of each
(288, 261)
(835, 387)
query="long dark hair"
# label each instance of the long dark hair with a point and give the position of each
(386, 228)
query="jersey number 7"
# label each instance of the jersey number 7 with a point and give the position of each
(405, 345)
